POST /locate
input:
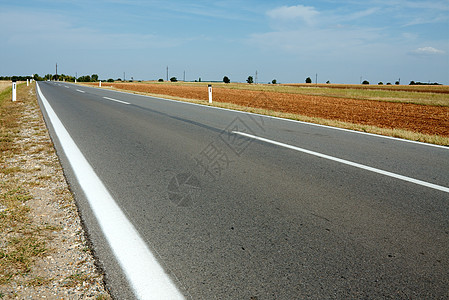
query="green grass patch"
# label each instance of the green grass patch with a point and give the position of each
(76, 279)
(39, 281)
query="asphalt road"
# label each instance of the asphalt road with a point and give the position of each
(231, 217)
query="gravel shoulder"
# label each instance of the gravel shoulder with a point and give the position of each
(58, 263)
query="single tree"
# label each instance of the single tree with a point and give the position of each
(250, 79)
(365, 82)
(274, 81)
(94, 77)
(308, 80)
(161, 80)
(381, 83)
(226, 79)
(173, 79)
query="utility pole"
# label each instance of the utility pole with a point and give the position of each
(167, 73)
(255, 80)
(316, 78)
(56, 72)
(124, 76)
(184, 76)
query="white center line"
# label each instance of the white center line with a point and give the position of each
(80, 91)
(147, 278)
(112, 99)
(347, 162)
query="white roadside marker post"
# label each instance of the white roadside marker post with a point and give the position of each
(14, 92)
(99, 84)
(210, 93)
(28, 82)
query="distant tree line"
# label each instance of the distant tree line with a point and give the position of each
(424, 83)
(16, 78)
(60, 77)
(94, 78)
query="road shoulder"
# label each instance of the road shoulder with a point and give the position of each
(44, 253)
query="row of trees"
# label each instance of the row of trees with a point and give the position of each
(424, 83)
(398, 83)
(16, 78)
(94, 78)
(60, 77)
(250, 80)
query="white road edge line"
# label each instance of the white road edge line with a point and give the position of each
(146, 277)
(112, 99)
(347, 162)
(80, 91)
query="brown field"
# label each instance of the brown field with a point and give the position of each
(443, 89)
(4, 85)
(423, 119)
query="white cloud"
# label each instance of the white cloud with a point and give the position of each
(428, 51)
(319, 42)
(306, 14)
(359, 14)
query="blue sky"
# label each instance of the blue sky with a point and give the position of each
(341, 41)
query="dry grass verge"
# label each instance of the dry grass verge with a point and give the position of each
(43, 251)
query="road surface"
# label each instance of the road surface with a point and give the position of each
(239, 206)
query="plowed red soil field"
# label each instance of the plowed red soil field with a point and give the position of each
(433, 120)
